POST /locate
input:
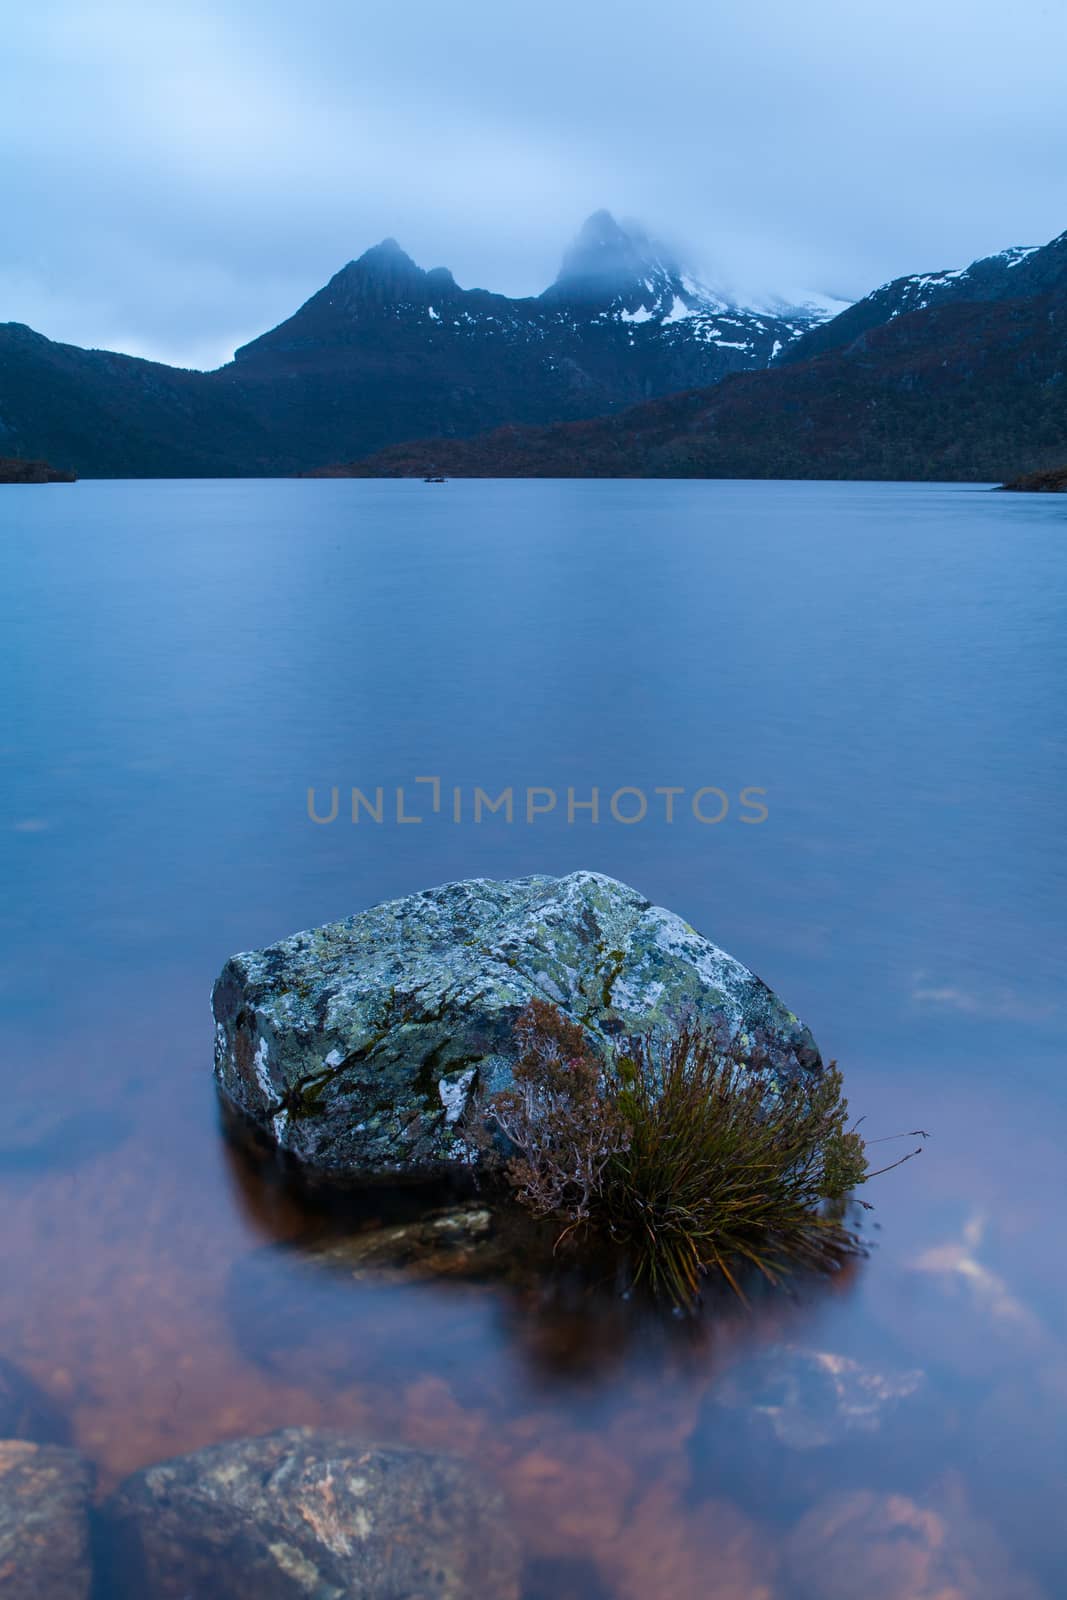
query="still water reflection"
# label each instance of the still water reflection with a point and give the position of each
(181, 661)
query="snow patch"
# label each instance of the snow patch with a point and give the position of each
(679, 310)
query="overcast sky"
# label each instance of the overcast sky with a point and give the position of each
(176, 178)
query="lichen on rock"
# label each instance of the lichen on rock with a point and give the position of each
(358, 1046)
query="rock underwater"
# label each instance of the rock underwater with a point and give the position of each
(44, 1522)
(306, 1515)
(358, 1046)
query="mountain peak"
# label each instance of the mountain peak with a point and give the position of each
(607, 259)
(387, 257)
(384, 275)
(616, 267)
(601, 233)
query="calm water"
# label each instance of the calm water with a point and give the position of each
(181, 661)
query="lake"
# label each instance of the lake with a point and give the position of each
(881, 667)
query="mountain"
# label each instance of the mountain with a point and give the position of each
(626, 364)
(956, 389)
(387, 351)
(1012, 274)
(619, 274)
(113, 416)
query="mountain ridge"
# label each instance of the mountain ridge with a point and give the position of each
(961, 390)
(1015, 273)
(387, 351)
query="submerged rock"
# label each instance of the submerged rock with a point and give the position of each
(429, 1293)
(807, 1399)
(463, 1242)
(44, 1522)
(359, 1045)
(467, 1243)
(304, 1515)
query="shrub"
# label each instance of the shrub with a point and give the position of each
(689, 1154)
(564, 1118)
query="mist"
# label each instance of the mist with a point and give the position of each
(180, 178)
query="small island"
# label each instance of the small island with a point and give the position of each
(1053, 481)
(14, 470)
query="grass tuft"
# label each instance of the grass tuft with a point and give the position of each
(689, 1155)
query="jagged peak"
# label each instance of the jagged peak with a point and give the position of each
(617, 268)
(388, 256)
(608, 257)
(600, 233)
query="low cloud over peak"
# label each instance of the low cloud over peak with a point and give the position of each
(186, 174)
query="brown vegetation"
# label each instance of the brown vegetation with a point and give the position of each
(1054, 482)
(688, 1155)
(14, 470)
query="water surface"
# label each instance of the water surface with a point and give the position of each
(182, 661)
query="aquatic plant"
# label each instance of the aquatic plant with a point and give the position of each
(689, 1154)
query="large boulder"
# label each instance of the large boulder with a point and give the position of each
(44, 1522)
(358, 1046)
(305, 1515)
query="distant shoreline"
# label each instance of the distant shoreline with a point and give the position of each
(15, 470)
(1051, 482)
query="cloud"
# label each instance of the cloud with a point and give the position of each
(184, 175)
(959, 1260)
(997, 1002)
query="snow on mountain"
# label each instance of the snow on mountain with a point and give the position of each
(615, 272)
(1015, 273)
(617, 288)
